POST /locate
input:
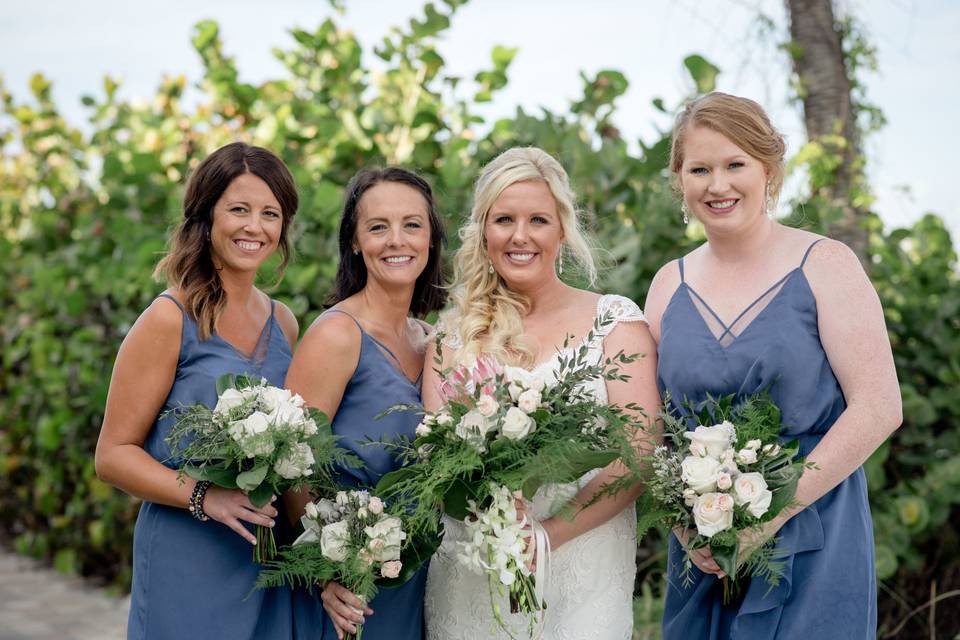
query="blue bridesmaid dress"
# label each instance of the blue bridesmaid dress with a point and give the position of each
(829, 587)
(191, 579)
(377, 384)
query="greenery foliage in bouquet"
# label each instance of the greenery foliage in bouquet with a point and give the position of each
(260, 439)
(355, 539)
(727, 475)
(506, 429)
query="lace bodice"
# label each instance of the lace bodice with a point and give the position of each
(591, 577)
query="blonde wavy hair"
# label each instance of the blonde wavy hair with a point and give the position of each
(487, 316)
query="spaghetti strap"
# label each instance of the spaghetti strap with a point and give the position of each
(807, 253)
(680, 264)
(175, 301)
(355, 321)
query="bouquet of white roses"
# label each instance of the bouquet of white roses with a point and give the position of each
(722, 478)
(504, 430)
(260, 439)
(354, 539)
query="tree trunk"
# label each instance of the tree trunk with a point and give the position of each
(828, 111)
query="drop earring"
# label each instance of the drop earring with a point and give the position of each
(560, 264)
(490, 268)
(686, 212)
(769, 202)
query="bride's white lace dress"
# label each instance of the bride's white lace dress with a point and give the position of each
(590, 590)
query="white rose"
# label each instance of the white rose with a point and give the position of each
(273, 397)
(747, 455)
(362, 513)
(709, 515)
(487, 405)
(700, 474)
(256, 422)
(228, 400)
(342, 499)
(771, 449)
(698, 449)
(529, 400)
(296, 462)
(334, 539)
(444, 419)
(287, 415)
(517, 424)
(391, 569)
(753, 444)
(725, 501)
(715, 439)
(751, 489)
(251, 434)
(297, 401)
(311, 511)
(423, 429)
(724, 481)
(473, 425)
(309, 427)
(389, 533)
(375, 506)
(689, 497)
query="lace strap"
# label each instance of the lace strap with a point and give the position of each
(449, 336)
(614, 309)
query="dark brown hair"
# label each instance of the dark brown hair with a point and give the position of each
(188, 265)
(428, 291)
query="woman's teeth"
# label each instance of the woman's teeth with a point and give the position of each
(398, 259)
(721, 204)
(521, 257)
(248, 245)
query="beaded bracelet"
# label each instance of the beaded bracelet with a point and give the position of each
(196, 500)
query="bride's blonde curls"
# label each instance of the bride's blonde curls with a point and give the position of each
(487, 315)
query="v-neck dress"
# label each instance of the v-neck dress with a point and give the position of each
(191, 579)
(829, 587)
(377, 383)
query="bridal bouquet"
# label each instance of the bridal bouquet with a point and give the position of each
(723, 478)
(353, 539)
(258, 438)
(506, 431)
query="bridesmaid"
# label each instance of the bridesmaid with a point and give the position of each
(192, 572)
(760, 306)
(366, 354)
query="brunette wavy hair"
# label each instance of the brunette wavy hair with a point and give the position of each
(188, 265)
(429, 293)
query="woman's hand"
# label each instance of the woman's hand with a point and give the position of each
(702, 558)
(231, 506)
(345, 609)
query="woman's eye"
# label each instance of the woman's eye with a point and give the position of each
(271, 213)
(414, 225)
(736, 165)
(539, 220)
(698, 171)
(502, 219)
(238, 210)
(377, 228)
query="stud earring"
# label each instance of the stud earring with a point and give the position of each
(686, 212)
(490, 268)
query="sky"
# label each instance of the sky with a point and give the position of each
(909, 162)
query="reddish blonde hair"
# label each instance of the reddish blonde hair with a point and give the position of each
(740, 120)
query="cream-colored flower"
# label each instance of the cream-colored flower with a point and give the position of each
(516, 424)
(710, 516)
(750, 489)
(487, 405)
(700, 474)
(715, 439)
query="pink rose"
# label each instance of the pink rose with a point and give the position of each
(391, 569)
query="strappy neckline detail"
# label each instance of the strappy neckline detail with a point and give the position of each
(262, 338)
(728, 327)
(395, 365)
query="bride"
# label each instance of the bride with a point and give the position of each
(511, 304)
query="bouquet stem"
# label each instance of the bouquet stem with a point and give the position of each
(266, 547)
(359, 627)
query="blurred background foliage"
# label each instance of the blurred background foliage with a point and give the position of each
(84, 216)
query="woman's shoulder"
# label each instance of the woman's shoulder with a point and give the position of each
(334, 333)
(287, 321)
(165, 312)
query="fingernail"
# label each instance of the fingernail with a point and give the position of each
(272, 523)
(273, 498)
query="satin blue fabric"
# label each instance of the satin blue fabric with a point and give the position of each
(376, 385)
(829, 588)
(193, 579)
